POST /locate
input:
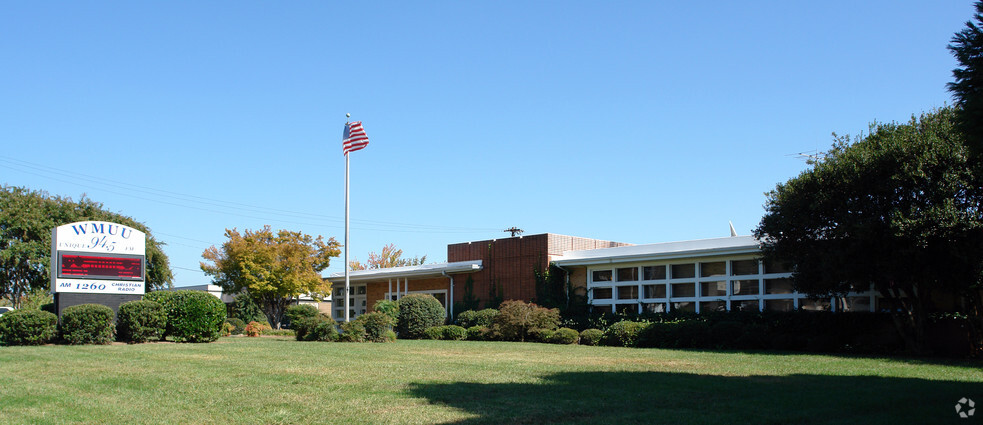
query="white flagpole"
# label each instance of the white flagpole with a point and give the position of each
(347, 307)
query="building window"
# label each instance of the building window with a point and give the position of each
(601, 309)
(744, 287)
(601, 276)
(681, 290)
(778, 305)
(627, 292)
(654, 272)
(629, 274)
(602, 293)
(713, 289)
(627, 308)
(717, 268)
(821, 304)
(653, 307)
(684, 306)
(683, 271)
(745, 305)
(708, 306)
(743, 267)
(778, 286)
(655, 291)
(359, 290)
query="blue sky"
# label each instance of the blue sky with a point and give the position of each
(637, 122)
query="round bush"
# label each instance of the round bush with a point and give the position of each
(591, 336)
(254, 329)
(192, 316)
(139, 321)
(472, 318)
(540, 335)
(87, 324)
(352, 331)
(466, 318)
(387, 307)
(477, 333)
(564, 336)
(296, 312)
(623, 334)
(317, 328)
(376, 325)
(436, 332)
(239, 325)
(28, 327)
(454, 333)
(417, 313)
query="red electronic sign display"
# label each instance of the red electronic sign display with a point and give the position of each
(101, 267)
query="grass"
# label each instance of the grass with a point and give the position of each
(273, 380)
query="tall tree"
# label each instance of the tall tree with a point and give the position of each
(967, 47)
(271, 268)
(896, 210)
(389, 257)
(26, 220)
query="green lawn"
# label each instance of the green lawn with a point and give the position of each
(278, 380)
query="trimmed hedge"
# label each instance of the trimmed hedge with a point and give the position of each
(479, 333)
(436, 332)
(299, 311)
(140, 321)
(319, 327)
(377, 326)
(417, 313)
(238, 325)
(564, 336)
(472, 318)
(192, 316)
(28, 327)
(623, 334)
(353, 331)
(591, 336)
(87, 324)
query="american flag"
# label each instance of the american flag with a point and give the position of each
(354, 137)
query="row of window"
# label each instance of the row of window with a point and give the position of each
(686, 271)
(689, 289)
(852, 303)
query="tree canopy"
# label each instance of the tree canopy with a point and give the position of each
(967, 47)
(272, 268)
(390, 256)
(26, 220)
(897, 210)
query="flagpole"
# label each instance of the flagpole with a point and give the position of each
(347, 285)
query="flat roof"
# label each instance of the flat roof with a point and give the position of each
(660, 251)
(423, 270)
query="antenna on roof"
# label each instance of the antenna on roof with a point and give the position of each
(514, 230)
(732, 231)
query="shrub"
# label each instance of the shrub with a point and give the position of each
(389, 308)
(28, 327)
(623, 334)
(192, 316)
(478, 333)
(278, 332)
(591, 336)
(541, 335)
(376, 325)
(245, 309)
(352, 331)
(516, 318)
(254, 328)
(227, 328)
(389, 336)
(87, 324)
(317, 328)
(471, 318)
(417, 313)
(140, 321)
(240, 326)
(564, 336)
(296, 312)
(454, 333)
(435, 332)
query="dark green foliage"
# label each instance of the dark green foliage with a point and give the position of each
(320, 327)
(469, 302)
(495, 295)
(540, 335)
(352, 331)
(591, 336)
(49, 307)
(551, 287)
(967, 47)
(387, 307)
(238, 325)
(141, 321)
(623, 334)
(435, 332)
(485, 317)
(298, 311)
(376, 325)
(245, 309)
(564, 336)
(454, 333)
(28, 327)
(417, 313)
(898, 209)
(478, 333)
(87, 324)
(516, 319)
(192, 316)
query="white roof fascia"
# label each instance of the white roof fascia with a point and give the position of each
(661, 251)
(424, 270)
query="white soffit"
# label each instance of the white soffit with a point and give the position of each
(660, 251)
(424, 270)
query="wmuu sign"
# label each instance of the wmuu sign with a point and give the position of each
(98, 257)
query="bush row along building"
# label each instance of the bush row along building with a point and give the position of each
(697, 276)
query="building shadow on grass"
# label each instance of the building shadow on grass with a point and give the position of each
(662, 397)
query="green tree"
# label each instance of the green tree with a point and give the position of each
(967, 47)
(387, 258)
(270, 268)
(896, 210)
(26, 220)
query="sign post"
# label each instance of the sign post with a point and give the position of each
(97, 262)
